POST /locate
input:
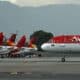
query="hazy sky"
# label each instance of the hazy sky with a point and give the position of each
(42, 2)
(70, 19)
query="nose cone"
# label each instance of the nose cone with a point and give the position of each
(44, 46)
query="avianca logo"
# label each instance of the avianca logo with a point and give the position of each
(76, 39)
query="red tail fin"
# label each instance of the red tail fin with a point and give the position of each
(1, 38)
(22, 41)
(32, 41)
(12, 38)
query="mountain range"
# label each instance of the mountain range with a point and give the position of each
(58, 19)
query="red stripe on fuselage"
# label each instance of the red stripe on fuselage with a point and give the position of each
(66, 39)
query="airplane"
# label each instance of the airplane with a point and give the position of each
(10, 47)
(20, 49)
(63, 44)
(6, 45)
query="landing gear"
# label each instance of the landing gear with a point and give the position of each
(3, 55)
(39, 55)
(63, 59)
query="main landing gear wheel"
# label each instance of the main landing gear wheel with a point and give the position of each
(63, 59)
(39, 55)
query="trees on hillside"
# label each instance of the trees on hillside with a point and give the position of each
(40, 37)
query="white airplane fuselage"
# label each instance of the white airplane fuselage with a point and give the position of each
(61, 47)
(27, 49)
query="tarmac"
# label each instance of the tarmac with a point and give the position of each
(44, 64)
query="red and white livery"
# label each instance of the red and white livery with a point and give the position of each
(63, 43)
